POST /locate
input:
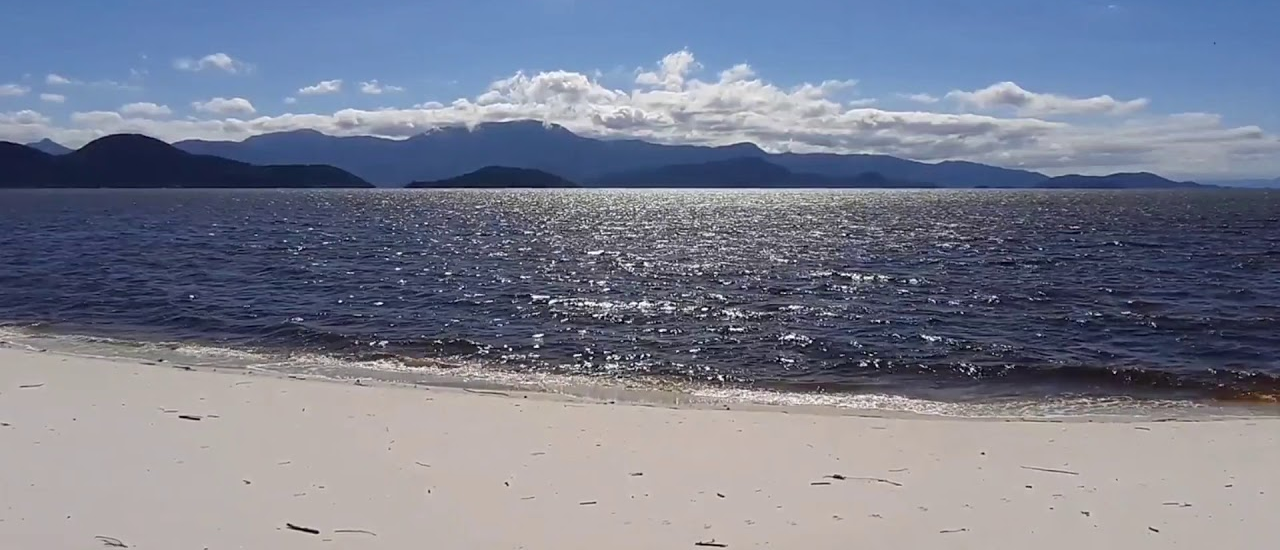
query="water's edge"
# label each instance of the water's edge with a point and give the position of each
(471, 376)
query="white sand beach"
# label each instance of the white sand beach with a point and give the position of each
(95, 453)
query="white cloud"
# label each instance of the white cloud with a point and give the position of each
(225, 106)
(53, 79)
(290, 100)
(671, 71)
(920, 98)
(24, 117)
(373, 87)
(219, 61)
(322, 87)
(13, 90)
(1008, 94)
(145, 110)
(57, 80)
(672, 105)
(53, 98)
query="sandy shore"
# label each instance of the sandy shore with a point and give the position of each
(94, 448)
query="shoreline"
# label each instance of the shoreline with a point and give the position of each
(443, 374)
(160, 457)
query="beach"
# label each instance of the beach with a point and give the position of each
(97, 453)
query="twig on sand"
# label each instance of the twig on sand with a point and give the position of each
(1153, 529)
(712, 543)
(896, 470)
(423, 464)
(111, 541)
(960, 530)
(1143, 428)
(189, 417)
(1178, 504)
(842, 477)
(486, 392)
(820, 483)
(355, 531)
(303, 529)
(1051, 470)
(588, 503)
(30, 386)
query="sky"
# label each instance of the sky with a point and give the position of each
(1186, 88)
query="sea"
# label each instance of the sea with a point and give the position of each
(954, 302)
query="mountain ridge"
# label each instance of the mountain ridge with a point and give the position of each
(453, 150)
(137, 161)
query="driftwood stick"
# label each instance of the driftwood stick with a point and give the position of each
(111, 541)
(1051, 470)
(303, 529)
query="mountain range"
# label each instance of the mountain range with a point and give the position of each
(447, 152)
(135, 161)
(440, 154)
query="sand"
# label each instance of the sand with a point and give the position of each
(95, 448)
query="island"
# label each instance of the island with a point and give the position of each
(745, 172)
(498, 177)
(137, 161)
(1123, 180)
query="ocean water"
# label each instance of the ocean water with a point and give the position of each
(955, 296)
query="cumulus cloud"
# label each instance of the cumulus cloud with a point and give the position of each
(290, 100)
(145, 110)
(53, 98)
(1008, 94)
(13, 90)
(673, 102)
(321, 88)
(57, 80)
(235, 106)
(373, 87)
(218, 61)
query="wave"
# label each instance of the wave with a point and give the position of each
(1223, 397)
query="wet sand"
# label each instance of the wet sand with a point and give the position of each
(158, 457)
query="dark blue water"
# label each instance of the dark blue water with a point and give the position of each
(945, 294)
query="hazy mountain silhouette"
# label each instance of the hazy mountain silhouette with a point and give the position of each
(741, 172)
(49, 146)
(1248, 183)
(495, 177)
(450, 151)
(1124, 180)
(130, 160)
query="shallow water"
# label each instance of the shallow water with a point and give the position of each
(954, 296)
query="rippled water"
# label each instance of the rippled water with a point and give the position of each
(957, 295)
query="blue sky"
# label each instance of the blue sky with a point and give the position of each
(1214, 60)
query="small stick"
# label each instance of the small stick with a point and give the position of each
(960, 530)
(712, 543)
(111, 541)
(423, 464)
(1051, 470)
(302, 529)
(820, 483)
(30, 386)
(1153, 529)
(189, 417)
(587, 503)
(355, 531)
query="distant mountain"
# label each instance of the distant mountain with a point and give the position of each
(1125, 180)
(495, 177)
(1249, 184)
(49, 146)
(446, 152)
(742, 172)
(130, 160)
